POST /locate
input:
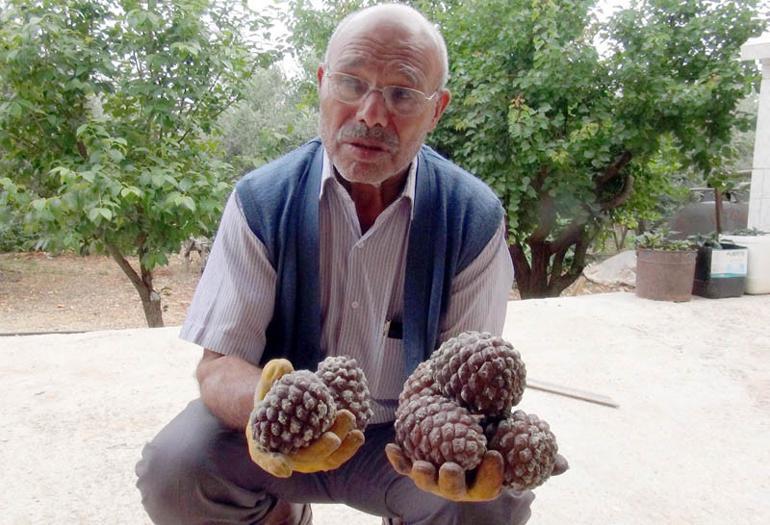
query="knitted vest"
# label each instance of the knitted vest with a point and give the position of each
(454, 217)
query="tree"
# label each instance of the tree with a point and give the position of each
(271, 119)
(107, 127)
(311, 25)
(568, 136)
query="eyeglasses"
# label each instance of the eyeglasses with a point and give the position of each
(404, 101)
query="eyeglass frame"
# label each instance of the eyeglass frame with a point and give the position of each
(371, 87)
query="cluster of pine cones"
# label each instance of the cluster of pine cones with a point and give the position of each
(457, 405)
(302, 405)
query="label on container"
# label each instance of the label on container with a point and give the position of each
(728, 263)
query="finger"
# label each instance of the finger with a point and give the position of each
(346, 450)
(398, 460)
(335, 459)
(424, 476)
(273, 371)
(344, 422)
(271, 462)
(489, 478)
(451, 481)
(561, 466)
(327, 443)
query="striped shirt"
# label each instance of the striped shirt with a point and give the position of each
(362, 288)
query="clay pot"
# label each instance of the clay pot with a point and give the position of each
(665, 275)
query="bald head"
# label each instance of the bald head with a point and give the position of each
(393, 15)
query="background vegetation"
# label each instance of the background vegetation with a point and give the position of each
(124, 123)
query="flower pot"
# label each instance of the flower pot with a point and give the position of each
(758, 264)
(720, 271)
(665, 275)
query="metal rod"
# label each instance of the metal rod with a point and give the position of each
(566, 391)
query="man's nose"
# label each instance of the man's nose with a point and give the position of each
(372, 110)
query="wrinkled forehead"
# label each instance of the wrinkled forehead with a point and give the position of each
(391, 43)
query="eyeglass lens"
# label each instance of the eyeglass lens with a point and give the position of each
(350, 89)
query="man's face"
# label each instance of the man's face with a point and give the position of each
(367, 142)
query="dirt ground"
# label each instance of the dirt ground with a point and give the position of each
(42, 293)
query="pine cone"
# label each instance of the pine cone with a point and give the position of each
(481, 371)
(436, 429)
(419, 383)
(348, 386)
(298, 408)
(528, 447)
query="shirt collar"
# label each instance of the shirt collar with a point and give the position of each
(327, 177)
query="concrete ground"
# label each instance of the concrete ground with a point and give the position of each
(687, 445)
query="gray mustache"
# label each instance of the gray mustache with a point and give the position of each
(361, 131)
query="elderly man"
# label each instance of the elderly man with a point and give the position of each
(365, 243)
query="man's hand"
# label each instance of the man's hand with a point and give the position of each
(333, 448)
(450, 481)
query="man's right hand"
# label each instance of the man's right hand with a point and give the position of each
(449, 482)
(333, 448)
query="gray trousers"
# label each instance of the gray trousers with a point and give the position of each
(196, 471)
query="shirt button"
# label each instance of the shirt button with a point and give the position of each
(354, 304)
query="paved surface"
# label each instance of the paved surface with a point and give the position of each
(688, 444)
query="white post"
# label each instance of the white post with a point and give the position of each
(759, 200)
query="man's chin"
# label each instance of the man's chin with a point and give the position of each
(365, 173)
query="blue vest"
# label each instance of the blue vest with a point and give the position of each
(454, 217)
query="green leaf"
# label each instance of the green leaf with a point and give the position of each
(115, 155)
(188, 203)
(131, 190)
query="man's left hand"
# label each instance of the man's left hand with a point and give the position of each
(450, 480)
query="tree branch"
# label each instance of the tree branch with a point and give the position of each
(623, 196)
(125, 266)
(520, 263)
(82, 150)
(613, 169)
(560, 282)
(568, 237)
(546, 210)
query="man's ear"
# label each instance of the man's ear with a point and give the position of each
(320, 75)
(444, 97)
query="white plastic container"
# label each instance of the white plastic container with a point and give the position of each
(758, 270)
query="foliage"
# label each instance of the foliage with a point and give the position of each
(749, 232)
(311, 26)
(12, 234)
(710, 240)
(661, 239)
(571, 138)
(270, 120)
(108, 124)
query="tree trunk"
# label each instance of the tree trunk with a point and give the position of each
(542, 274)
(153, 312)
(544, 277)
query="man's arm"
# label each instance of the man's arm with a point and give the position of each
(479, 294)
(227, 385)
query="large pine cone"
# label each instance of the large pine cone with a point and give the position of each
(348, 386)
(528, 447)
(481, 371)
(419, 383)
(295, 412)
(436, 429)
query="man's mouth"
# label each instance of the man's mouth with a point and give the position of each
(372, 146)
